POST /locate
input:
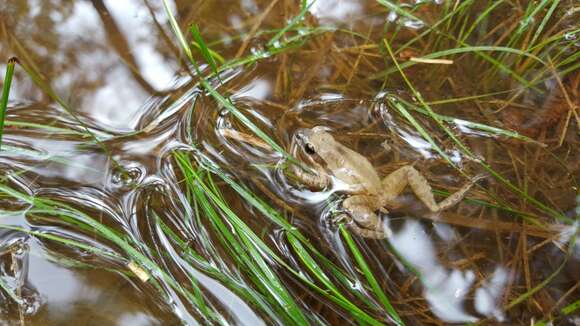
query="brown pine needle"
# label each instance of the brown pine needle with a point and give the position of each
(243, 137)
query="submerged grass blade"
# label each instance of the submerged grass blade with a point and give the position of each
(304, 6)
(247, 245)
(198, 185)
(466, 151)
(536, 288)
(5, 94)
(542, 25)
(466, 49)
(125, 244)
(405, 13)
(223, 101)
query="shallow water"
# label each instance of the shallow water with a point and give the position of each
(118, 69)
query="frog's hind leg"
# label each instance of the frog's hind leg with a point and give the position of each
(367, 233)
(396, 182)
(362, 210)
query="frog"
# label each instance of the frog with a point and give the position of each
(367, 192)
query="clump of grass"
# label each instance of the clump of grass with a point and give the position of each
(204, 191)
(443, 32)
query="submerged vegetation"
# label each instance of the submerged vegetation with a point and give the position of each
(208, 225)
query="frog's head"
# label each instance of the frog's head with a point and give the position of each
(316, 141)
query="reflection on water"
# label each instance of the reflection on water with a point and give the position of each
(117, 65)
(335, 10)
(446, 289)
(114, 84)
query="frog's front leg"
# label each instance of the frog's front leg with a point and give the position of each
(362, 209)
(318, 179)
(396, 182)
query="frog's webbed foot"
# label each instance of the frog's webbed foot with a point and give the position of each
(396, 182)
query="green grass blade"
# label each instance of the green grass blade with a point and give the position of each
(7, 290)
(536, 288)
(203, 48)
(394, 102)
(304, 6)
(398, 10)
(543, 23)
(252, 247)
(370, 277)
(484, 14)
(65, 241)
(474, 125)
(5, 94)
(466, 151)
(64, 211)
(46, 128)
(448, 52)
(177, 31)
(569, 309)
(199, 185)
(225, 102)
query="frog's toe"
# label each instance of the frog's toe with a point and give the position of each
(341, 218)
(384, 210)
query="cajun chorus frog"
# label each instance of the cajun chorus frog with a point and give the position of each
(368, 193)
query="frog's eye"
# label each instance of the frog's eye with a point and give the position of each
(309, 149)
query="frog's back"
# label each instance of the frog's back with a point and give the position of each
(354, 169)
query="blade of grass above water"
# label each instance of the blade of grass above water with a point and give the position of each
(46, 88)
(5, 94)
(177, 31)
(6, 289)
(232, 281)
(65, 241)
(318, 272)
(47, 128)
(405, 113)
